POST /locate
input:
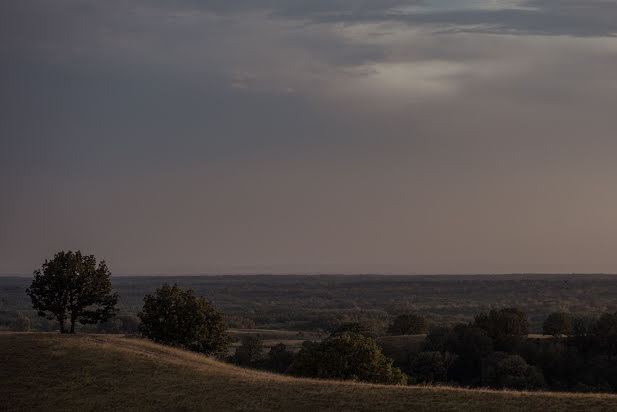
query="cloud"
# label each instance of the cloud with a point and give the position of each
(308, 131)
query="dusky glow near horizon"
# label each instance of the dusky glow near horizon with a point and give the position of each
(382, 136)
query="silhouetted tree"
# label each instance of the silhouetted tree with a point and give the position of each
(279, 358)
(354, 327)
(502, 370)
(506, 327)
(429, 367)
(471, 344)
(347, 356)
(439, 339)
(583, 325)
(71, 286)
(408, 324)
(177, 317)
(558, 324)
(250, 351)
(605, 329)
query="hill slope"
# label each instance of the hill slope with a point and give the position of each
(106, 372)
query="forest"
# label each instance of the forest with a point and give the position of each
(526, 332)
(321, 303)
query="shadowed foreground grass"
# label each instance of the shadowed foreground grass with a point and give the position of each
(103, 372)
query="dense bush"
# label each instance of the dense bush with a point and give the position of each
(558, 324)
(408, 324)
(429, 367)
(279, 358)
(177, 317)
(347, 356)
(249, 352)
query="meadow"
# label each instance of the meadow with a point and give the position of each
(49, 371)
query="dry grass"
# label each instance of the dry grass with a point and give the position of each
(104, 372)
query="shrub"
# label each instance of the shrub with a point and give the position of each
(177, 317)
(348, 357)
(408, 324)
(558, 324)
(250, 351)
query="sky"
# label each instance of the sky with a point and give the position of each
(299, 136)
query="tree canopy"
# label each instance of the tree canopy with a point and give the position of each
(558, 324)
(347, 356)
(177, 317)
(72, 286)
(408, 324)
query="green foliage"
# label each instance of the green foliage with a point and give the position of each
(438, 339)
(408, 324)
(177, 317)
(605, 329)
(322, 303)
(279, 358)
(429, 367)
(355, 327)
(501, 370)
(22, 324)
(71, 286)
(558, 324)
(250, 351)
(503, 323)
(349, 357)
(583, 325)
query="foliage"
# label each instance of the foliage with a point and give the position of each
(177, 317)
(558, 324)
(321, 303)
(355, 328)
(506, 327)
(22, 324)
(408, 324)
(431, 366)
(71, 286)
(279, 358)
(250, 351)
(583, 325)
(605, 329)
(502, 370)
(349, 357)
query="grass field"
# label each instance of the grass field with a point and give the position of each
(106, 372)
(292, 339)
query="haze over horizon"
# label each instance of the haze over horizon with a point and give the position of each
(428, 136)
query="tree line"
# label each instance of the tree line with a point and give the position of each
(494, 350)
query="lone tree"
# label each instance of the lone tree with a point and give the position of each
(177, 317)
(71, 286)
(408, 324)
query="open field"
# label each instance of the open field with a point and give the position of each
(291, 338)
(104, 372)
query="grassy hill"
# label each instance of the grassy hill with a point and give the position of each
(105, 372)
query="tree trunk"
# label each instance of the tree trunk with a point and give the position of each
(61, 322)
(72, 324)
